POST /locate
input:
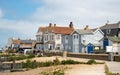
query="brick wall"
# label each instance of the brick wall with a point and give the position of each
(93, 56)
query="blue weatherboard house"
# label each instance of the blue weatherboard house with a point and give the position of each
(86, 41)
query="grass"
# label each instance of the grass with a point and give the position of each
(33, 64)
(12, 56)
(59, 70)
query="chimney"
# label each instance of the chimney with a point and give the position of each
(54, 25)
(107, 22)
(71, 25)
(86, 28)
(18, 38)
(50, 24)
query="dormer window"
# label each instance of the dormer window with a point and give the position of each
(75, 36)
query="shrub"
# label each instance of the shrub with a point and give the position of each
(56, 61)
(30, 64)
(69, 62)
(91, 61)
(31, 56)
(11, 58)
(47, 63)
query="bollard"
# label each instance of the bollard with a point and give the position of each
(111, 56)
(65, 54)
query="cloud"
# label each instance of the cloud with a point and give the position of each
(82, 12)
(1, 13)
(24, 28)
(94, 13)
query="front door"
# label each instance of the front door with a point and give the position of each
(105, 43)
(90, 48)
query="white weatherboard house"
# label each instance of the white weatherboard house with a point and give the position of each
(86, 41)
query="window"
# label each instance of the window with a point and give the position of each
(46, 37)
(108, 31)
(58, 36)
(52, 37)
(66, 37)
(83, 41)
(75, 36)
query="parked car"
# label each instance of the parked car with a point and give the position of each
(27, 51)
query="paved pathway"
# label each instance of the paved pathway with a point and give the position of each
(114, 67)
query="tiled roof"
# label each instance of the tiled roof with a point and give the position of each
(16, 41)
(110, 26)
(56, 29)
(62, 30)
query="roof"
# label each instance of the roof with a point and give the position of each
(26, 41)
(56, 29)
(18, 41)
(114, 39)
(110, 26)
(84, 31)
(62, 30)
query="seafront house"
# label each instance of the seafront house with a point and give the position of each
(86, 40)
(53, 37)
(19, 43)
(111, 29)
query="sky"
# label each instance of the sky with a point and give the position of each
(21, 18)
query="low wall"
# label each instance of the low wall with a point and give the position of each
(93, 56)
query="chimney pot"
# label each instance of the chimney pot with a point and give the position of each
(50, 24)
(54, 25)
(71, 25)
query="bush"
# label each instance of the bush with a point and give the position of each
(30, 64)
(69, 62)
(48, 63)
(31, 56)
(91, 61)
(56, 61)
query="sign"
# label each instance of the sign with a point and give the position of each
(109, 49)
(115, 49)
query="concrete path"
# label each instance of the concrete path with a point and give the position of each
(114, 67)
